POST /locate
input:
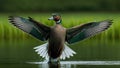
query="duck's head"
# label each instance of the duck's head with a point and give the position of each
(56, 17)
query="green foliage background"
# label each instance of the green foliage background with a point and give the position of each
(74, 12)
(58, 5)
(8, 31)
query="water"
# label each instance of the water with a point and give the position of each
(90, 54)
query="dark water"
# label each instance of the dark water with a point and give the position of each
(90, 54)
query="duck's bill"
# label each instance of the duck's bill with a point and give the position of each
(51, 18)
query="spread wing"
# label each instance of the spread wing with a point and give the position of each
(84, 31)
(38, 30)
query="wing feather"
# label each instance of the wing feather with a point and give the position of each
(82, 32)
(31, 27)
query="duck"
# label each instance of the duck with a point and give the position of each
(57, 36)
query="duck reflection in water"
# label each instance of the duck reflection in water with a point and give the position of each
(50, 65)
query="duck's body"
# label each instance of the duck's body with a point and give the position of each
(56, 41)
(55, 49)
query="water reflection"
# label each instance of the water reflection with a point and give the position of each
(55, 65)
(49, 65)
(74, 64)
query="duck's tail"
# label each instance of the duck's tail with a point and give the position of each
(67, 52)
(42, 51)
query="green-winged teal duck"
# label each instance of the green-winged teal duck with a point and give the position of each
(56, 49)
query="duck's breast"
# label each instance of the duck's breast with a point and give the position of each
(56, 41)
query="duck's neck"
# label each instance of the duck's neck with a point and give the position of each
(59, 22)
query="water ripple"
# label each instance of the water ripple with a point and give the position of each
(83, 62)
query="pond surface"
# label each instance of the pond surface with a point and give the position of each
(90, 54)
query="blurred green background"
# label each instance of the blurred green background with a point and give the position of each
(74, 12)
(16, 46)
(58, 5)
